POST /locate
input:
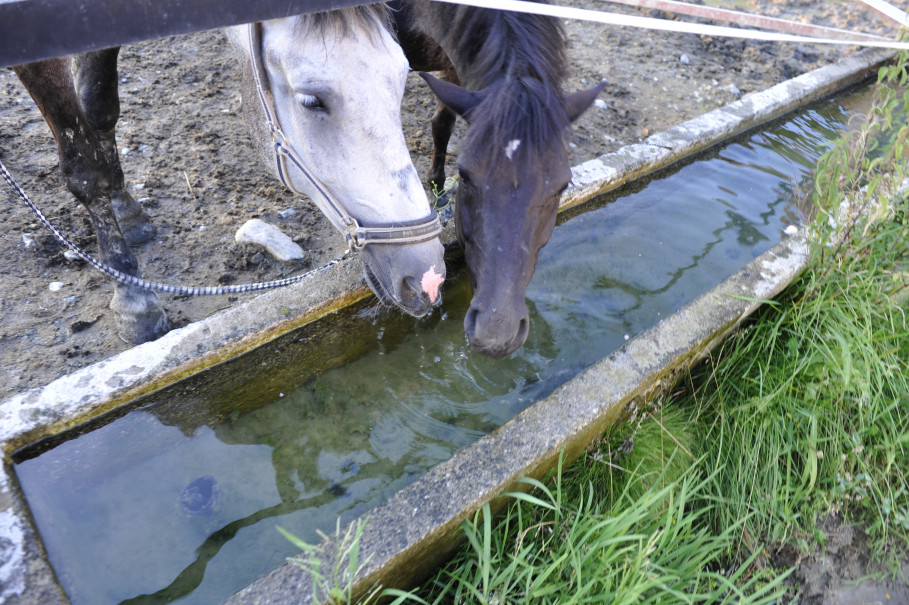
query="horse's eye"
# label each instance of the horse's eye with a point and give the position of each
(310, 101)
(464, 179)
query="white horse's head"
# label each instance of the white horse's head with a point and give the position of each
(337, 80)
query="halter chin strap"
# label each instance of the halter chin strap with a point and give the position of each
(357, 236)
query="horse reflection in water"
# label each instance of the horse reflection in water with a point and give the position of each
(513, 164)
(337, 79)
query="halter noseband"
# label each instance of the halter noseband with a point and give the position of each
(356, 235)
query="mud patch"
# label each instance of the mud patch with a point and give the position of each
(842, 572)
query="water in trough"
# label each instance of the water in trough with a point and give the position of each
(178, 498)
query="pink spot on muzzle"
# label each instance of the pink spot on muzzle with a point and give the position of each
(431, 282)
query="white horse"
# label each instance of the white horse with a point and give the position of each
(325, 117)
(337, 80)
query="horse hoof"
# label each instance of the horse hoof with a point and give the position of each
(139, 316)
(135, 225)
(137, 329)
(137, 234)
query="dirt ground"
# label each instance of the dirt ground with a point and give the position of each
(188, 159)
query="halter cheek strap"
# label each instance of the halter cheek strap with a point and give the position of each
(356, 235)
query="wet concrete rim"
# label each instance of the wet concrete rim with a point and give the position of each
(418, 525)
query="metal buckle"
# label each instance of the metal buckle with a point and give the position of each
(277, 137)
(355, 236)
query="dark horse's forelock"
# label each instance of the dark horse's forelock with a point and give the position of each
(522, 53)
(525, 109)
(343, 20)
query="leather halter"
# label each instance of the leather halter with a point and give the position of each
(357, 236)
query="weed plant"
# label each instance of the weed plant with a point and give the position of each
(654, 547)
(806, 411)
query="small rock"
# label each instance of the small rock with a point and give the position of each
(287, 213)
(80, 325)
(600, 103)
(260, 233)
(684, 60)
(55, 286)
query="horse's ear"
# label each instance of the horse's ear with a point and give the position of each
(576, 103)
(456, 98)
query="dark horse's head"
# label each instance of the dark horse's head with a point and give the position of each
(513, 169)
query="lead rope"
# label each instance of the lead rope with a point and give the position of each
(132, 280)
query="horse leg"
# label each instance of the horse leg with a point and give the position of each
(88, 175)
(424, 54)
(95, 79)
(442, 125)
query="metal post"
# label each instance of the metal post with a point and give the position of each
(31, 30)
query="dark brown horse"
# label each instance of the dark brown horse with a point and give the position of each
(513, 164)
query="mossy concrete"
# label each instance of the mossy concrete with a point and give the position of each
(417, 526)
(660, 150)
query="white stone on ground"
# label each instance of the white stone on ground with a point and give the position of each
(266, 235)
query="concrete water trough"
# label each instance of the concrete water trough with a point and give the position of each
(415, 529)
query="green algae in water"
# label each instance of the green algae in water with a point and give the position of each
(178, 499)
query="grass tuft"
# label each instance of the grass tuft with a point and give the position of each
(552, 549)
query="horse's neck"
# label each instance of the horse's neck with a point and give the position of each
(253, 112)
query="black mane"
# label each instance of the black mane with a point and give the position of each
(520, 58)
(485, 44)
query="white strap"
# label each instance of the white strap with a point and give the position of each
(749, 19)
(565, 12)
(888, 10)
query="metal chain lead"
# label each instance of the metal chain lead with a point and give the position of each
(132, 280)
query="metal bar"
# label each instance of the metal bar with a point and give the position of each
(567, 12)
(749, 20)
(31, 30)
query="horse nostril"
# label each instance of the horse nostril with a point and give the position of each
(470, 322)
(523, 331)
(410, 289)
(495, 336)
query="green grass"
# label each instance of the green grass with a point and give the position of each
(583, 549)
(807, 410)
(803, 412)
